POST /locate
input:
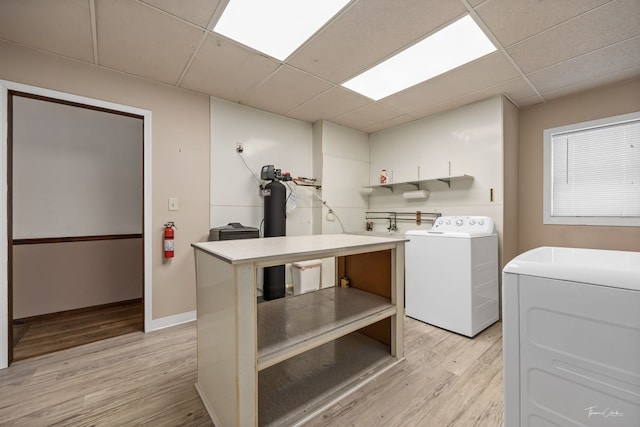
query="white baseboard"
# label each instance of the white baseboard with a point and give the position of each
(207, 406)
(166, 322)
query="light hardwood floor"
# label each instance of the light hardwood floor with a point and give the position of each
(446, 380)
(148, 379)
(38, 335)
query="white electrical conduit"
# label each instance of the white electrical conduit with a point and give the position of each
(331, 214)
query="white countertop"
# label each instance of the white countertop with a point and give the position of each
(619, 269)
(295, 248)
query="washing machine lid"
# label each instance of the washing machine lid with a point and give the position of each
(618, 269)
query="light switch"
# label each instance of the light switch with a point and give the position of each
(173, 203)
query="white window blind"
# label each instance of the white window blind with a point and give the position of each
(594, 173)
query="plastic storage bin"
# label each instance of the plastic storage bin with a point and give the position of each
(306, 276)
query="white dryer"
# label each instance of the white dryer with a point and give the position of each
(451, 274)
(571, 334)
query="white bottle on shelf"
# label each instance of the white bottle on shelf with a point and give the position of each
(384, 176)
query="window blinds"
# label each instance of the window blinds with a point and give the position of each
(596, 172)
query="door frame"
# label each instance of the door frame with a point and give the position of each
(5, 87)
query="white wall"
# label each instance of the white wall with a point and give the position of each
(345, 161)
(342, 154)
(469, 137)
(345, 170)
(76, 171)
(338, 157)
(267, 139)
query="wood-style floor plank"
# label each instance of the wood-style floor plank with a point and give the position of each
(446, 380)
(136, 379)
(40, 335)
(148, 379)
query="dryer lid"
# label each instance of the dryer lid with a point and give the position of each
(619, 269)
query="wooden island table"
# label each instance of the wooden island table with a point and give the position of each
(283, 361)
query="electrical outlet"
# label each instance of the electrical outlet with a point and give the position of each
(239, 148)
(173, 203)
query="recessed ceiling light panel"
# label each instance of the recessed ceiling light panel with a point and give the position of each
(453, 46)
(275, 27)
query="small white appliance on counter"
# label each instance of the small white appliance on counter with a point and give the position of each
(571, 335)
(451, 274)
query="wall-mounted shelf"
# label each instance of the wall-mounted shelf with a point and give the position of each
(418, 182)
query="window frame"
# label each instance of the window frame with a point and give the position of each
(548, 219)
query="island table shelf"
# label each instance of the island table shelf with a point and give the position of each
(283, 361)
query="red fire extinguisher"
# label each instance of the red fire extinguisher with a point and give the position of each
(168, 239)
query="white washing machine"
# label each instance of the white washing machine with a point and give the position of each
(451, 274)
(571, 335)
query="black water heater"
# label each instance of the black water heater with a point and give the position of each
(275, 224)
(275, 209)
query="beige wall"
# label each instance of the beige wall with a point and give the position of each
(604, 102)
(180, 156)
(74, 275)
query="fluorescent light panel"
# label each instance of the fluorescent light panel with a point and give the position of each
(275, 27)
(453, 46)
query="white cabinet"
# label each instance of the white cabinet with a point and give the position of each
(280, 362)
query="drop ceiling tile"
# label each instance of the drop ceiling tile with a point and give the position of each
(473, 77)
(286, 89)
(528, 102)
(514, 20)
(369, 31)
(433, 109)
(227, 70)
(590, 66)
(330, 104)
(157, 38)
(396, 121)
(140, 40)
(451, 104)
(62, 27)
(366, 116)
(517, 90)
(626, 74)
(198, 12)
(609, 24)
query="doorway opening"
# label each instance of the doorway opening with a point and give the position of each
(75, 223)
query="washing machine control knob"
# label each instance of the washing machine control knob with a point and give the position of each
(472, 221)
(481, 221)
(448, 222)
(459, 221)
